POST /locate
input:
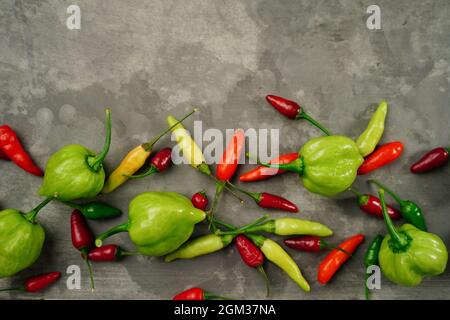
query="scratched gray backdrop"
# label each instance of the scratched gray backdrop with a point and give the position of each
(146, 59)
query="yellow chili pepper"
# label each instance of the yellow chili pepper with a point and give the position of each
(369, 139)
(191, 151)
(134, 160)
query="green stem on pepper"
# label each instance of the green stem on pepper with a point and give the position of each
(96, 162)
(31, 216)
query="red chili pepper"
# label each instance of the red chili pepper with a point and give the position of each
(382, 156)
(310, 244)
(110, 252)
(11, 146)
(3, 156)
(433, 159)
(37, 283)
(372, 206)
(253, 257)
(335, 259)
(292, 110)
(200, 200)
(229, 161)
(82, 239)
(196, 294)
(262, 173)
(159, 163)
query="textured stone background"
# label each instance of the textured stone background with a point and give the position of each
(146, 59)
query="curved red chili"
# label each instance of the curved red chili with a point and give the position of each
(262, 173)
(200, 200)
(110, 252)
(433, 159)
(310, 244)
(40, 282)
(11, 146)
(382, 156)
(228, 163)
(372, 205)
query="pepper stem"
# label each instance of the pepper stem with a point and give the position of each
(12, 289)
(391, 193)
(247, 227)
(120, 228)
(31, 216)
(307, 117)
(209, 296)
(355, 192)
(225, 186)
(226, 225)
(219, 189)
(149, 145)
(296, 166)
(366, 288)
(395, 236)
(147, 173)
(260, 268)
(89, 266)
(254, 195)
(96, 162)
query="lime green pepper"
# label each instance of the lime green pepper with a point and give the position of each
(200, 246)
(75, 172)
(369, 139)
(159, 222)
(277, 255)
(21, 239)
(326, 165)
(408, 254)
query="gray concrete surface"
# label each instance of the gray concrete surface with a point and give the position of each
(146, 59)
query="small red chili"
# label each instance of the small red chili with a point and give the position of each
(310, 244)
(196, 294)
(382, 156)
(262, 173)
(110, 252)
(159, 163)
(433, 159)
(372, 206)
(37, 283)
(200, 200)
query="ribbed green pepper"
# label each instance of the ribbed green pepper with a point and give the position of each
(75, 172)
(408, 254)
(326, 165)
(369, 139)
(159, 222)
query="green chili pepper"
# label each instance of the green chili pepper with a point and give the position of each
(21, 239)
(286, 227)
(159, 222)
(408, 254)
(95, 210)
(326, 165)
(200, 246)
(369, 139)
(371, 258)
(411, 212)
(75, 172)
(277, 255)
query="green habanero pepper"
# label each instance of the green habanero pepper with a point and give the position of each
(408, 254)
(326, 165)
(411, 212)
(288, 227)
(200, 246)
(369, 139)
(277, 255)
(95, 210)
(75, 172)
(21, 239)
(371, 258)
(158, 223)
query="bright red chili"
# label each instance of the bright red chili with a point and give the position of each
(433, 159)
(335, 259)
(382, 156)
(195, 294)
(37, 283)
(11, 146)
(159, 163)
(110, 252)
(252, 256)
(228, 164)
(261, 173)
(3, 156)
(200, 200)
(82, 238)
(372, 206)
(309, 244)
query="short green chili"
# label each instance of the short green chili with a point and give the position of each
(371, 258)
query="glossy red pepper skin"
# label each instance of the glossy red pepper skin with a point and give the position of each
(271, 201)
(335, 259)
(200, 200)
(110, 252)
(82, 237)
(284, 106)
(191, 294)
(382, 156)
(11, 146)
(3, 156)
(372, 206)
(162, 159)
(262, 173)
(227, 166)
(250, 253)
(305, 243)
(433, 159)
(40, 282)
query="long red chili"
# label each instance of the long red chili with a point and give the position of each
(335, 259)
(382, 156)
(433, 159)
(227, 165)
(159, 163)
(37, 283)
(110, 252)
(200, 200)
(82, 239)
(11, 146)
(253, 257)
(3, 156)
(310, 244)
(262, 173)
(196, 294)
(372, 205)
